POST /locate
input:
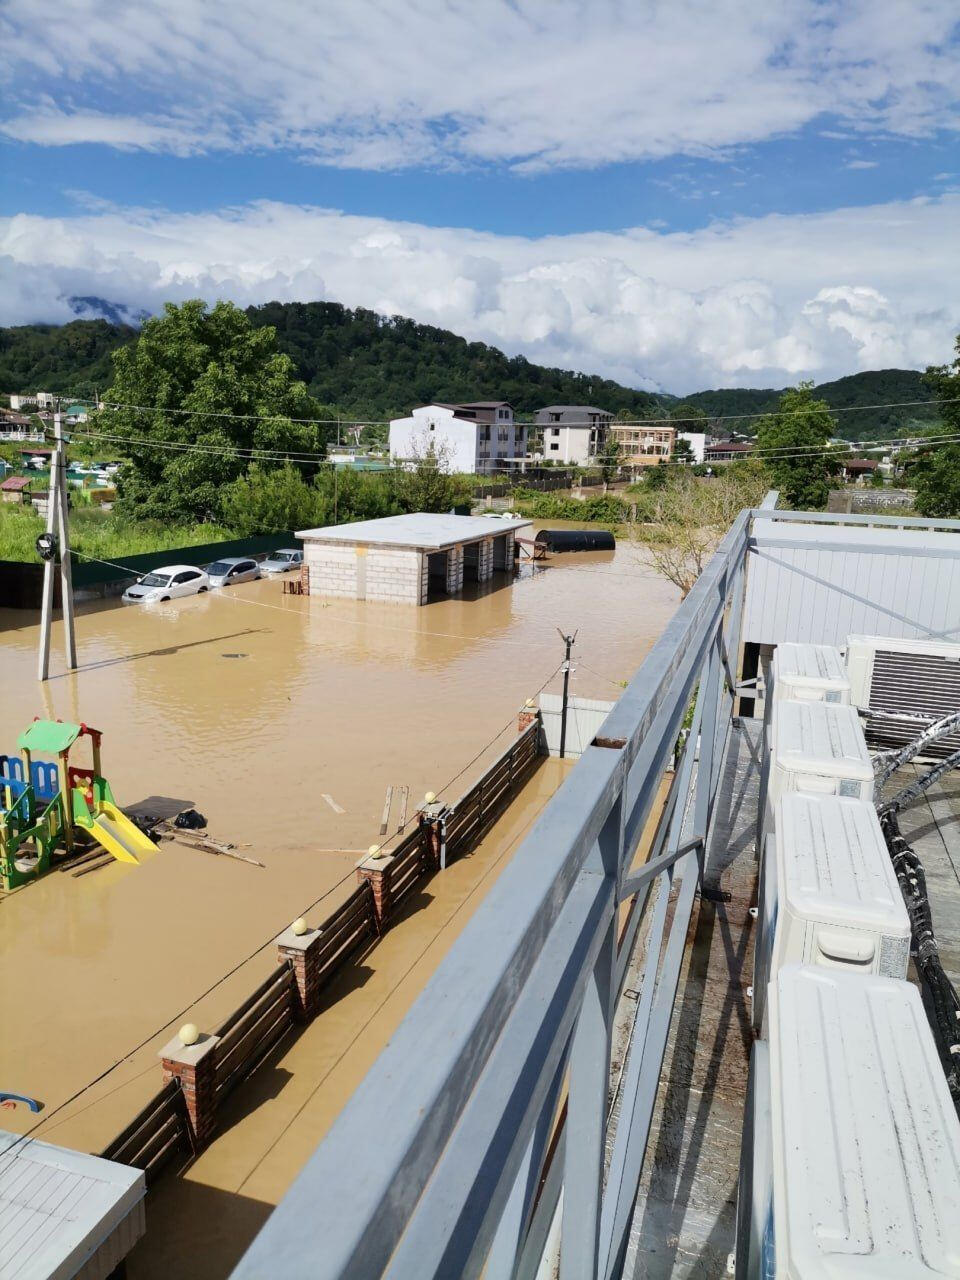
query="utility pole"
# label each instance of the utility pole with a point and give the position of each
(568, 641)
(56, 538)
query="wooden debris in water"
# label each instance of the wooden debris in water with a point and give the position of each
(404, 798)
(387, 802)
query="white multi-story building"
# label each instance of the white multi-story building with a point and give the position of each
(474, 438)
(573, 433)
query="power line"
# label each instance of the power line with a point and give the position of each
(664, 423)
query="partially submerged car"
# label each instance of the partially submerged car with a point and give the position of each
(231, 570)
(282, 561)
(167, 583)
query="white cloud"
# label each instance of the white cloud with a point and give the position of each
(532, 83)
(750, 302)
(861, 164)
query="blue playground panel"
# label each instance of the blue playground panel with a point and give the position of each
(44, 777)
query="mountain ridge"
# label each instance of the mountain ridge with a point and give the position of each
(363, 365)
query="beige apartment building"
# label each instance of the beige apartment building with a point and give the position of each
(643, 446)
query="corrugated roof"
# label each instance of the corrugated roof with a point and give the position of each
(15, 483)
(418, 531)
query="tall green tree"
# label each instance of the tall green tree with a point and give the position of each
(936, 472)
(175, 390)
(793, 445)
(270, 500)
(428, 484)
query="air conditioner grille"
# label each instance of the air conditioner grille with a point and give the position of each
(920, 683)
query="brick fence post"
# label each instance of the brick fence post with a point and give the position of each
(528, 715)
(430, 818)
(195, 1066)
(304, 577)
(377, 872)
(303, 952)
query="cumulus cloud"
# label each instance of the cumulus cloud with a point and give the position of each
(532, 83)
(749, 302)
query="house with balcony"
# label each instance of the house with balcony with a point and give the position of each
(476, 438)
(643, 444)
(573, 433)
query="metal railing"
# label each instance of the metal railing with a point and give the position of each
(491, 1101)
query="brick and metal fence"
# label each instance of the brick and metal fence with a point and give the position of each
(181, 1119)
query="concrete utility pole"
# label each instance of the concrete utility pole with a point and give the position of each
(568, 641)
(56, 538)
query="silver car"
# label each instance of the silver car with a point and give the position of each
(231, 570)
(282, 561)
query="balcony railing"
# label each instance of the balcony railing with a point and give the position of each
(490, 1103)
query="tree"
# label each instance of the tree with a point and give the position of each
(688, 417)
(793, 443)
(936, 472)
(683, 452)
(609, 457)
(876, 479)
(267, 501)
(346, 494)
(688, 516)
(175, 390)
(428, 484)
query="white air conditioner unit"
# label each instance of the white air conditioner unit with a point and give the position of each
(816, 748)
(919, 677)
(807, 673)
(828, 894)
(865, 1141)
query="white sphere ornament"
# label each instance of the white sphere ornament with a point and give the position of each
(189, 1033)
(375, 851)
(430, 797)
(299, 926)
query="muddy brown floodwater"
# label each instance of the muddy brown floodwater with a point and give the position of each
(283, 719)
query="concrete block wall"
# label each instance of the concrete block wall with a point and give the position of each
(485, 561)
(394, 576)
(332, 570)
(454, 570)
(503, 551)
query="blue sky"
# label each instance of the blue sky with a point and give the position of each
(680, 195)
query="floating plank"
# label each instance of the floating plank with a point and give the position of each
(332, 803)
(387, 802)
(404, 797)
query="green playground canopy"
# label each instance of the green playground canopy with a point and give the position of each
(51, 736)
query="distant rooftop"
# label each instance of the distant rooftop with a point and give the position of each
(567, 408)
(420, 530)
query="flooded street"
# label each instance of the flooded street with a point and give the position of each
(283, 719)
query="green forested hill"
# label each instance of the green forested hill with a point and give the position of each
(356, 362)
(372, 367)
(377, 366)
(70, 358)
(881, 386)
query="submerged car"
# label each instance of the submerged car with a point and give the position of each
(231, 570)
(167, 583)
(282, 561)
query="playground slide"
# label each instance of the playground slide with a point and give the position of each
(119, 835)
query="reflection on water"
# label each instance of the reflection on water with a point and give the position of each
(257, 707)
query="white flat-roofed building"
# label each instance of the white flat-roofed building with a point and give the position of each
(473, 438)
(573, 433)
(64, 1213)
(399, 558)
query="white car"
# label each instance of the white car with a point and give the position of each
(282, 561)
(168, 583)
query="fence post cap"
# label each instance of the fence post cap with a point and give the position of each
(188, 1055)
(430, 797)
(189, 1033)
(530, 703)
(299, 926)
(292, 940)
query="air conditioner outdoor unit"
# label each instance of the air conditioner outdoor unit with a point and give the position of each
(920, 677)
(864, 1138)
(807, 673)
(816, 748)
(828, 894)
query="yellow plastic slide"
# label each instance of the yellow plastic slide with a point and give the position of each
(119, 835)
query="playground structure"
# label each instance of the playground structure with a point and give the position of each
(46, 804)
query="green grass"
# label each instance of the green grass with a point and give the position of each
(99, 533)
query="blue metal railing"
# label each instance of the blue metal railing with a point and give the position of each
(451, 1157)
